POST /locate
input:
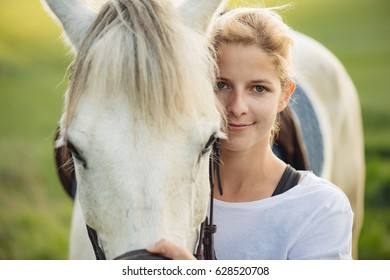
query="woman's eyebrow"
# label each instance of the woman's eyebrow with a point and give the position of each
(261, 81)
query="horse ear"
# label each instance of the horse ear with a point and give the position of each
(198, 13)
(74, 16)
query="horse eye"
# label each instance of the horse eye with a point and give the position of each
(209, 145)
(76, 154)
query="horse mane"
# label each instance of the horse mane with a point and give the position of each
(143, 49)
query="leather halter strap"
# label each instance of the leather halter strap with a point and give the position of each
(207, 237)
(140, 255)
(99, 253)
(207, 230)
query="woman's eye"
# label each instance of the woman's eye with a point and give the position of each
(260, 89)
(221, 85)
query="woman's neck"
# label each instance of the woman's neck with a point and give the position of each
(249, 175)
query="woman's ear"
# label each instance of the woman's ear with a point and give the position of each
(286, 95)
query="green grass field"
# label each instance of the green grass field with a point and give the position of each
(35, 212)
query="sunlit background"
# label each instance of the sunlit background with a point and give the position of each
(34, 210)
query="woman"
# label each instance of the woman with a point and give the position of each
(258, 217)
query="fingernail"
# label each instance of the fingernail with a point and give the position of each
(151, 247)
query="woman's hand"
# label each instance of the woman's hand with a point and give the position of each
(170, 250)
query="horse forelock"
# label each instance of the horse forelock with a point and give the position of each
(142, 48)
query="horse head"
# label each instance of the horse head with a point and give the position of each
(139, 117)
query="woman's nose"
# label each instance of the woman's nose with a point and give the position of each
(237, 104)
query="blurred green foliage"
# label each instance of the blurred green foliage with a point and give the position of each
(35, 212)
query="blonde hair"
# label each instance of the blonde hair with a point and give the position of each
(261, 27)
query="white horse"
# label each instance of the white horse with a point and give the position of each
(140, 110)
(335, 100)
(139, 115)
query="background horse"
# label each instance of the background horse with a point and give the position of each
(335, 151)
(335, 100)
(140, 115)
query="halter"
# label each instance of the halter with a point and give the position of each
(207, 229)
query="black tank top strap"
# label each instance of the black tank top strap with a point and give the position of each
(290, 178)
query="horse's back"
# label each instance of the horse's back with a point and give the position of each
(336, 100)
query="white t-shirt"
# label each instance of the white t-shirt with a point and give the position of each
(313, 220)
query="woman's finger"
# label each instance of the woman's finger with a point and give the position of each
(170, 250)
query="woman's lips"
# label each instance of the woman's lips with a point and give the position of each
(238, 127)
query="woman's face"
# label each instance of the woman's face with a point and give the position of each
(249, 88)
